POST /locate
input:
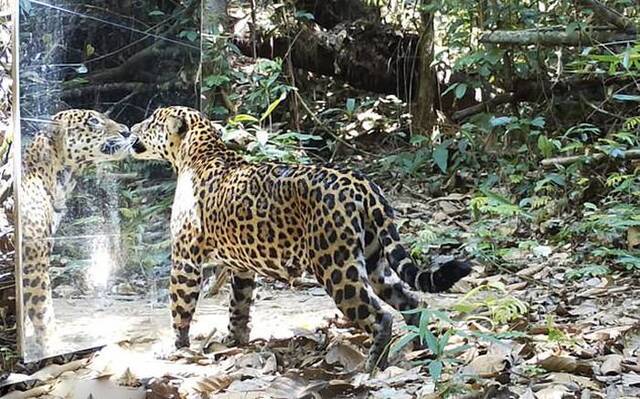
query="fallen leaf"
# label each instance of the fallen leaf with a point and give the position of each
(611, 365)
(31, 393)
(54, 370)
(386, 393)
(206, 385)
(346, 355)
(163, 388)
(552, 392)
(128, 379)
(286, 387)
(566, 379)
(486, 366)
(631, 379)
(559, 363)
(393, 376)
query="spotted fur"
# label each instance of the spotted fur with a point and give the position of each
(75, 139)
(279, 220)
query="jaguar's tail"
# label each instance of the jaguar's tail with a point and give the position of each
(400, 261)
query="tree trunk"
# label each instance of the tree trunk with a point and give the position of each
(423, 109)
(214, 25)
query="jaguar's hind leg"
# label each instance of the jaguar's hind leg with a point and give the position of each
(37, 301)
(348, 285)
(184, 291)
(242, 285)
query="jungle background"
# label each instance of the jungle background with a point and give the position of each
(503, 131)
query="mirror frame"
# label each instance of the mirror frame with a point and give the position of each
(17, 174)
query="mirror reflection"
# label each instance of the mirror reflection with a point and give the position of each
(95, 244)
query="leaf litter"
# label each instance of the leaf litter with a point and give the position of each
(527, 332)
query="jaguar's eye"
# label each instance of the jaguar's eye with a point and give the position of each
(94, 122)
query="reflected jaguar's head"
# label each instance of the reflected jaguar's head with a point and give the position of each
(160, 136)
(88, 136)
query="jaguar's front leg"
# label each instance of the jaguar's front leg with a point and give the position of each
(242, 285)
(184, 291)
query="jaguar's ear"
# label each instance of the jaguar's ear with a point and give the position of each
(176, 125)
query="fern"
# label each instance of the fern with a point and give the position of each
(632, 123)
(502, 307)
(591, 270)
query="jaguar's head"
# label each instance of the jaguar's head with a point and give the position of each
(87, 136)
(160, 135)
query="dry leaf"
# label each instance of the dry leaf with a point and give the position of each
(392, 376)
(54, 370)
(31, 393)
(386, 393)
(568, 379)
(486, 366)
(128, 379)
(286, 387)
(203, 386)
(612, 365)
(567, 364)
(552, 392)
(631, 379)
(346, 355)
(163, 388)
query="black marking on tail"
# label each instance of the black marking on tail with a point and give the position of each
(445, 277)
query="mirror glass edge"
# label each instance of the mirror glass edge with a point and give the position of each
(17, 174)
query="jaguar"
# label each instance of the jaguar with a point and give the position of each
(279, 220)
(74, 139)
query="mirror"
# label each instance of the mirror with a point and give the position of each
(95, 260)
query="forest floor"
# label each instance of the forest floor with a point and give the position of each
(569, 339)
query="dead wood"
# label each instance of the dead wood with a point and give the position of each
(550, 162)
(556, 38)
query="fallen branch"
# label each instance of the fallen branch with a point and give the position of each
(555, 38)
(547, 163)
(483, 106)
(136, 87)
(367, 56)
(610, 15)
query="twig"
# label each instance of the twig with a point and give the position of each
(484, 106)
(253, 30)
(326, 128)
(549, 162)
(124, 99)
(522, 277)
(610, 15)
(121, 86)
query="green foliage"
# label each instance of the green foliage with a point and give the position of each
(260, 144)
(556, 335)
(501, 307)
(265, 87)
(409, 163)
(433, 236)
(436, 344)
(494, 204)
(592, 270)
